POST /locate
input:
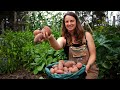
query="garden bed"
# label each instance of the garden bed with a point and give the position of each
(22, 74)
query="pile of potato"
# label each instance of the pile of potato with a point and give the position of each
(65, 67)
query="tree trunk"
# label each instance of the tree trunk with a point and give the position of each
(2, 26)
(15, 21)
(113, 20)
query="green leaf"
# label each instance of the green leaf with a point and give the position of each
(49, 60)
(33, 63)
(107, 65)
(35, 71)
(57, 53)
(54, 60)
(39, 68)
(51, 51)
(37, 60)
(112, 58)
(37, 56)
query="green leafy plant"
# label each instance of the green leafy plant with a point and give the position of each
(107, 53)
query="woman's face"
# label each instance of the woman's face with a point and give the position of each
(70, 23)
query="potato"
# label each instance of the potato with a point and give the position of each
(74, 69)
(60, 66)
(65, 69)
(65, 72)
(59, 71)
(62, 61)
(52, 70)
(79, 65)
(36, 32)
(46, 29)
(56, 68)
(70, 69)
(73, 62)
(68, 64)
(38, 37)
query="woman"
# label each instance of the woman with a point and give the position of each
(78, 45)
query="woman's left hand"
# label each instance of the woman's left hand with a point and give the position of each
(87, 68)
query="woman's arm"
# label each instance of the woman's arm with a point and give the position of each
(47, 35)
(92, 50)
(56, 44)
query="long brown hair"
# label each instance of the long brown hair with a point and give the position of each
(78, 33)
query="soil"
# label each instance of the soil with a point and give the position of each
(22, 74)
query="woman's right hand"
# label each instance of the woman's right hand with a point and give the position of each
(46, 33)
(42, 35)
(38, 38)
